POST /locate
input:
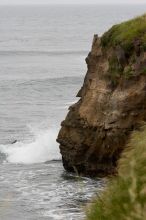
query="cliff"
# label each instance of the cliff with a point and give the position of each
(112, 101)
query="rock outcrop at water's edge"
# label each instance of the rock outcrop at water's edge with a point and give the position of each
(112, 101)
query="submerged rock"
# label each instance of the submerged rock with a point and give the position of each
(14, 142)
(112, 101)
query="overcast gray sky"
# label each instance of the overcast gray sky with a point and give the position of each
(71, 1)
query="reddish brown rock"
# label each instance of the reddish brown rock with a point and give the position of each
(112, 104)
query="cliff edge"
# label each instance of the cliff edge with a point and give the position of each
(112, 101)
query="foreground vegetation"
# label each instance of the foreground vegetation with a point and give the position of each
(125, 197)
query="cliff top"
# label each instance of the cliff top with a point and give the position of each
(126, 33)
(125, 46)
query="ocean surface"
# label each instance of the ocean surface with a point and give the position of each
(42, 53)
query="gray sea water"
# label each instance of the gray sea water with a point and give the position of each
(42, 53)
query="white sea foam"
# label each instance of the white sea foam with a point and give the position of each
(71, 103)
(42, 148)
(68, 104)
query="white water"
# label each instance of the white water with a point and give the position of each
(43, 147)
(42, 53)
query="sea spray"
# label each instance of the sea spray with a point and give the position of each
(41, 148)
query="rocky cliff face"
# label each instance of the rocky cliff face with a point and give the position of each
(112, 103)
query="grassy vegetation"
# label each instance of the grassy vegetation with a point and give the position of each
(144, 70)
(114, 69)
(126, 33)
(128, 73)
(130, 37)
(125, 197)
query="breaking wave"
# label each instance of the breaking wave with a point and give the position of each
(42, 148)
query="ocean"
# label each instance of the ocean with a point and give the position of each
(42, 67)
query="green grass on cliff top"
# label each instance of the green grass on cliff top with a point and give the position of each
(126, 33)
(125, 197)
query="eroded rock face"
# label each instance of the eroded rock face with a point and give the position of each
(112, 104)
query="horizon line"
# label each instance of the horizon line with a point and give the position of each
(60, 4)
